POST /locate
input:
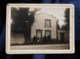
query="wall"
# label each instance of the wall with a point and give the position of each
(40, 24)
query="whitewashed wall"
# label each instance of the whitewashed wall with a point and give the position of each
(40, 24)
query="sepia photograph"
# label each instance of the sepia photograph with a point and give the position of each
(40, 29)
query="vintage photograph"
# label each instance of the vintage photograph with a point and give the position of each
(39, 28)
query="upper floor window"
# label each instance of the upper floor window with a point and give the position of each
(47, 23)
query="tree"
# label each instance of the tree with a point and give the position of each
(19, 18)
(22, 21)
(67, 18)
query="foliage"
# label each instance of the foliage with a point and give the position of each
(21, 21)
(67, 19)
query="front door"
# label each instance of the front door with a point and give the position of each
(62, 37)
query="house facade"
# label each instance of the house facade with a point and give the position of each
(44, 25)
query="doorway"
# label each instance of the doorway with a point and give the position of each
(62, 37)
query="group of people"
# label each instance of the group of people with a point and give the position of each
(44, 39)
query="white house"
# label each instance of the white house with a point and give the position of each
(44, 25)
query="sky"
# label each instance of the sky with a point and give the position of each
(56, 12)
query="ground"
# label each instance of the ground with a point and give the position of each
(39, 47)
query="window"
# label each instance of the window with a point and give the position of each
(39, 33)
(47, 33)
(47, 23)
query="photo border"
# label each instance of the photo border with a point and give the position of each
(8, 26)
